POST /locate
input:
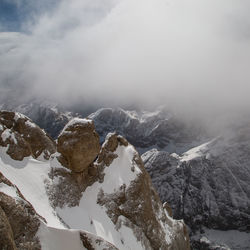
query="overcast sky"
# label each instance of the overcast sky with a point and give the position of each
(184, 53)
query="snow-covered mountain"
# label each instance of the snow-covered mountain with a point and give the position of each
(207, 186)
(203, 180)
(104, 201)
(160, 129)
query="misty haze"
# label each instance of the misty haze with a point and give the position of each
(103, 97)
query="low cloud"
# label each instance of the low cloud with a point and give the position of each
(185, 54)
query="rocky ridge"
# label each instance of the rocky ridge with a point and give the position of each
(160, 129)
(114, 200)
(49, 116)
(23, 137)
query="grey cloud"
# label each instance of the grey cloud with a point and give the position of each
(187, 54)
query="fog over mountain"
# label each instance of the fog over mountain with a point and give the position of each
(192, 55)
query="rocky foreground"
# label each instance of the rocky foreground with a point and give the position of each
(77, 194)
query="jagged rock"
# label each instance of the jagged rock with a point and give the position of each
(120, 206)
(23, 137)
(139, 204)
(159, 129)
(167, 207)
(19, 222)
(107, 154)
(92, 242)
(208, 185)
(70, 185)
(78, 144)
(135, 206)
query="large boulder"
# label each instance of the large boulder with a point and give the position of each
(78, 144)
(23, 137)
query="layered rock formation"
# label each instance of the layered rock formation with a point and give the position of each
(114, 206)
(23, 137)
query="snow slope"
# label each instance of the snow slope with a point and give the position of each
(65, 225)
(92, 217)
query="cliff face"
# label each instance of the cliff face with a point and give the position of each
(108, 200)
(207, 186)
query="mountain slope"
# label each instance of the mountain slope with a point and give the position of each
(110, 204)
(159, 129)
(207, 186)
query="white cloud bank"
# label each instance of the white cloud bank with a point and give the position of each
(185, 53)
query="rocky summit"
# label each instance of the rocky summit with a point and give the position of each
(47, 204)
(23, 137)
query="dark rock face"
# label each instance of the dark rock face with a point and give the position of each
(208, 186)
(23, 137)
(78, 144)
(19, 222)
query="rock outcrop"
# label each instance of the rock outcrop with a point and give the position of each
(132, 204)
(19, 222)
(139, 205)
(48, 116)
(113, 207)
(23, 137)
(78, 144)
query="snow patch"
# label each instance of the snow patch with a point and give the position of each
(92, 216)
(7, 133)
(30, 124)
(197, 151)
(59, 239)
(29, 176)
(119, 172)
(18, 116)
(8, 190)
